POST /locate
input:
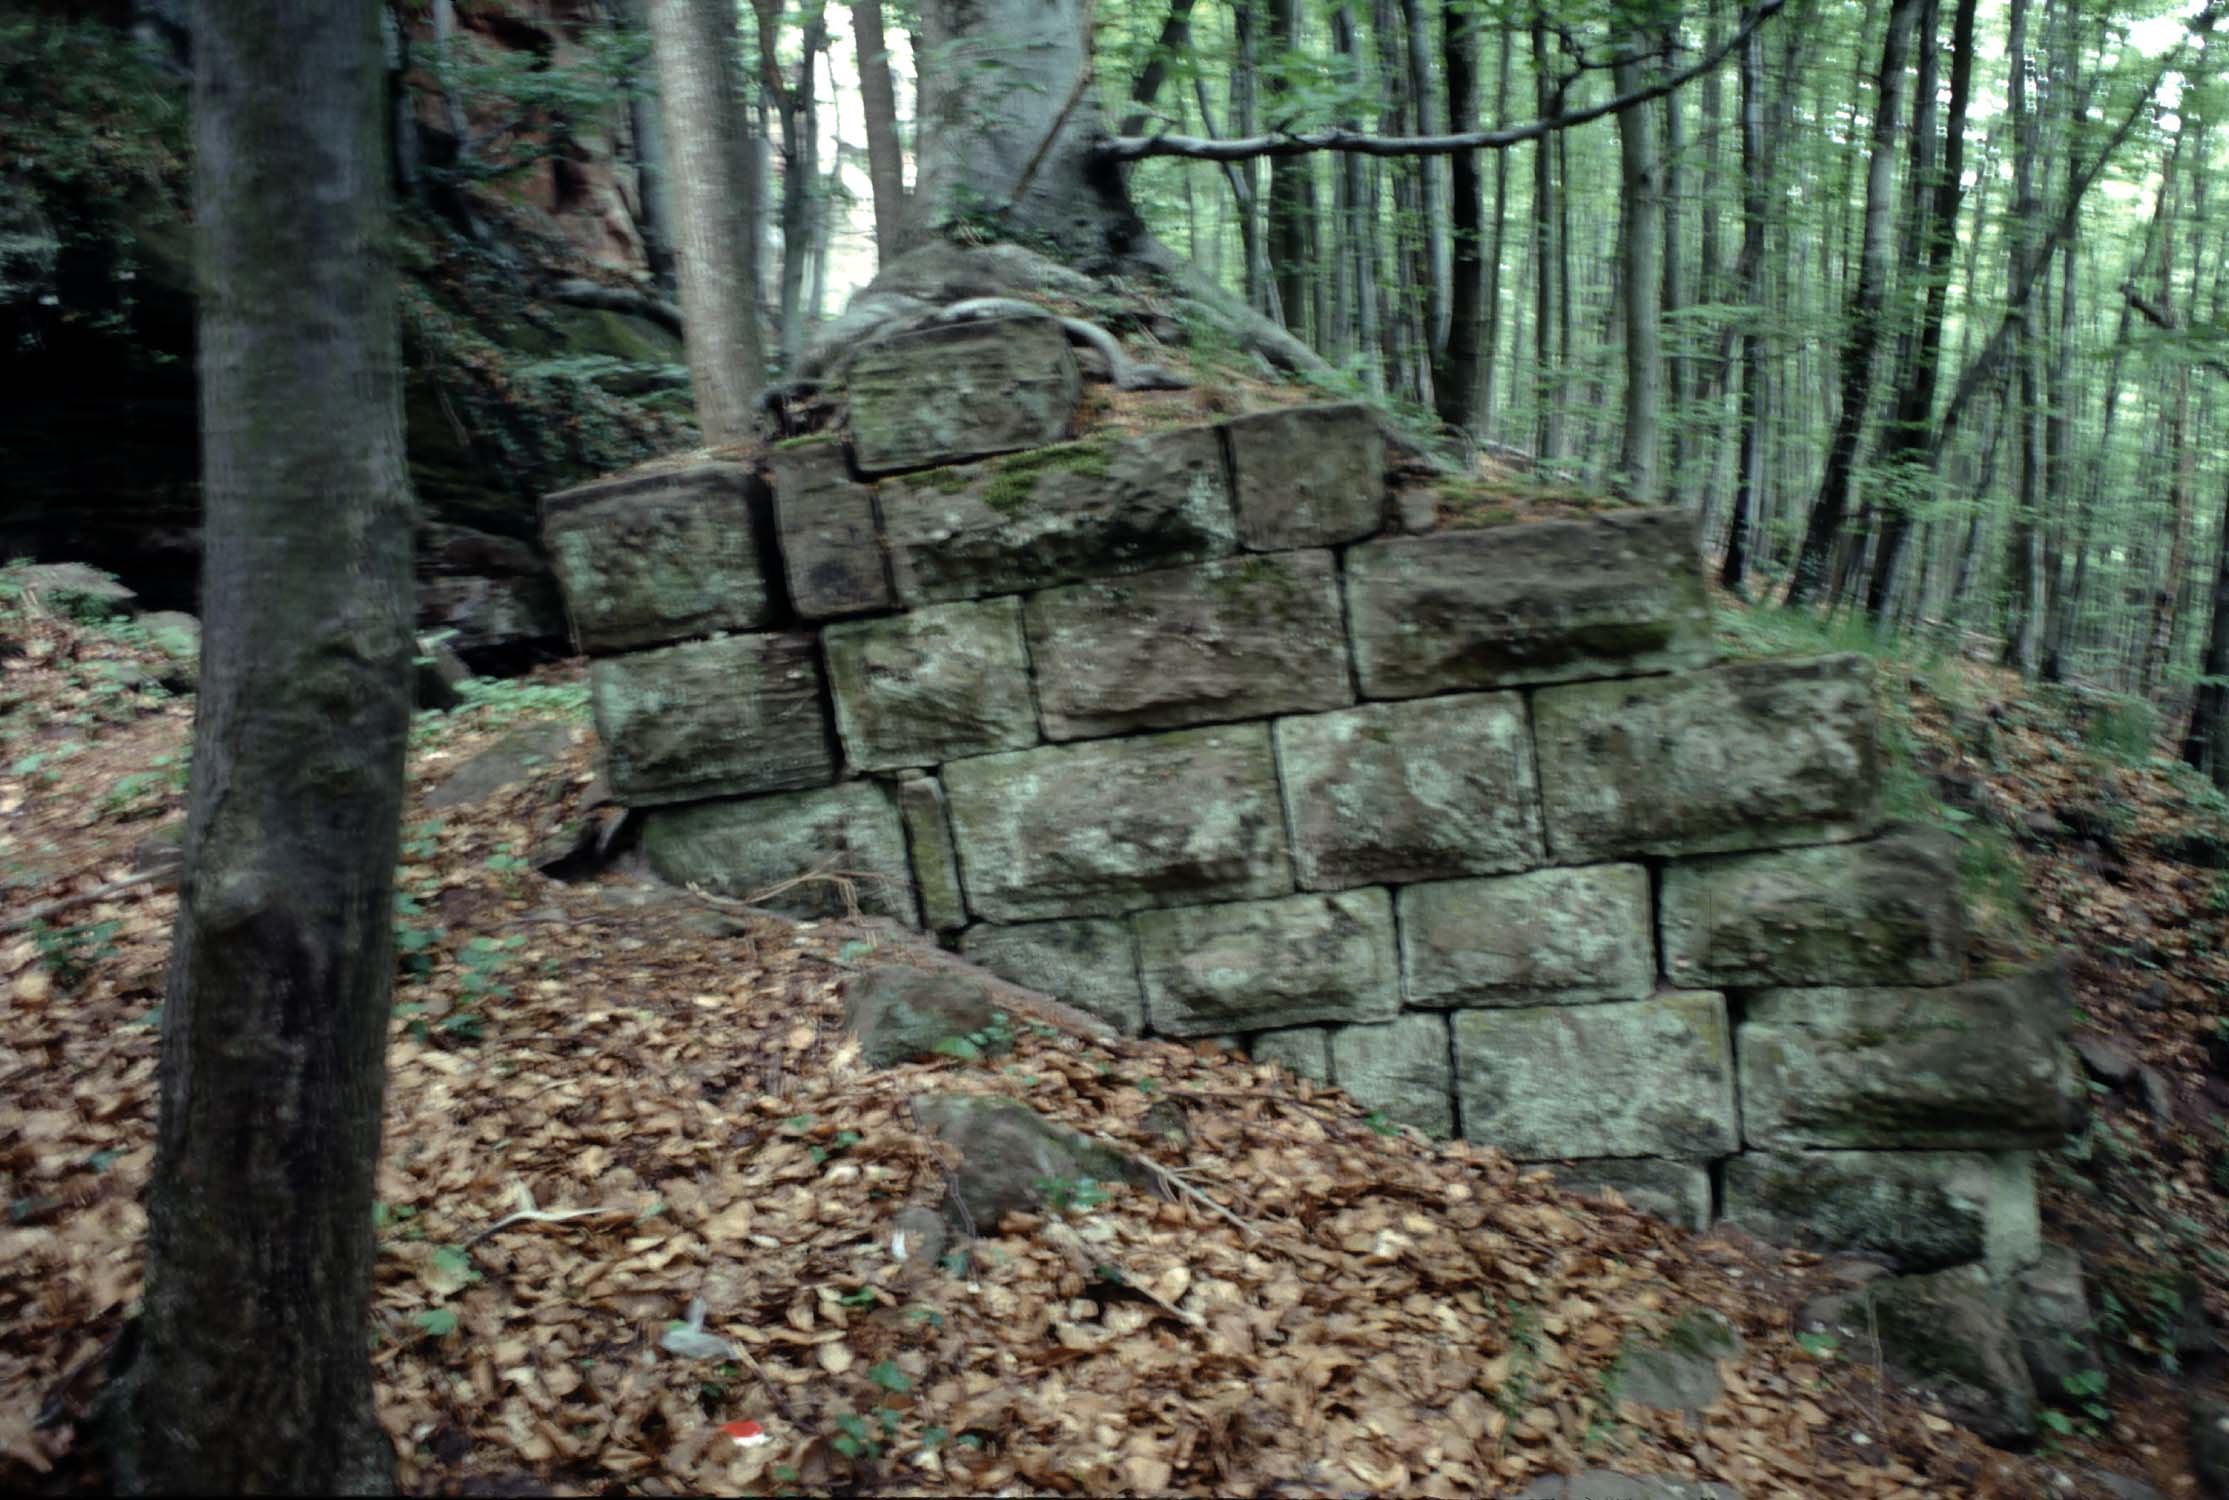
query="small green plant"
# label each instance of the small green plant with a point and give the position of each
(887, 1375)
(2122, 729)
(843, 1141)
(992, 1038)
(1377, 1120)
(1067, 1195)
(1820, 1346)
(69, 953)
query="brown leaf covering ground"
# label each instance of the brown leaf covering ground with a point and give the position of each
(601, 1112)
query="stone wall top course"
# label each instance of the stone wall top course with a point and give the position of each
(1308, 476)
(659, 555)
(961, 391)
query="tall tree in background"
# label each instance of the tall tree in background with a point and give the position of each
(252, 1371)
(879, 104)
(714, 196)
(1640, 173)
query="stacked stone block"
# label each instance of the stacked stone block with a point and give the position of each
(1178, 727)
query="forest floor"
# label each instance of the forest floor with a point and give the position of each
(605, 1105)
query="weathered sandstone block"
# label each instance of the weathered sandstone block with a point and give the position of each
(1249, 965)
(1637, 1078)
(938, 395)
(1402, 1067)
(1092, 963)
(742, 848)
(1922, 1209)
(1754, 755)
(1109, 827)
(1610, 596)
(936, 869)
(1677, 1192)
(1550, 937)
(1080, 510)
(1883, 911)
(831, 546)
(1410, 791)
(712, 718)
(1308, 476)
(646, 558)
(939, 683)
(1975, 1066)
(1215, 641)
(1304, 1051)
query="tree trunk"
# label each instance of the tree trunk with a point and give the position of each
(885, 163)
(1455, 378)
(1548, 383)
(1490, 338)
(1677, 366)
(1176, 31)
(1641, 227)
(800, 185)
(1867, 306)
(2207, 745)
(251, 1373)
(2023, 557)
(716, 241)
(1416, 29)
(1733, 571)
(1288, 182)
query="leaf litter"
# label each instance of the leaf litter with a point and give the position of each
(637, 1223)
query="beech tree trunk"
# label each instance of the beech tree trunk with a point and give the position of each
(1455, 378)
(251, 1372)
(714, 193)
(885, 164)
(1641, 230)
(1750, 466)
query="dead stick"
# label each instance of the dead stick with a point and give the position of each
(40, 913)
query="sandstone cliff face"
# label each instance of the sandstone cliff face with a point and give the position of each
(510, 392)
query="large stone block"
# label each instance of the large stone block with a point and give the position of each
(1106, 828)
(1751, 756)
(933, 685)
(1308, 476)
(744, 848)
(1304, 1051)
(938, 395)
(1638, 1078)
(1677, 1192)
(1884, 911)
(1395, 792)
(936, 869)
(1921, 1209)
(831, 545)
(1402, 1067)
(1092, 963)
(650, 557)
(1081, 510)
(1211, 642)
(1249, 965)
(1611, 596)
(712, 718)
(1976, 1066)
(1551, 937)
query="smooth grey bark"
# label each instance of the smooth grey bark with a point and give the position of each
(1288, 183)
(252, 1372)
(1678, 368)
(1548, 381)
(653, 208)
(1416, 32)
(1176, 33)
(1490, 338)
(878, 101)
(2206, 746)
(1456, 369)
(715, 191)
(1734, 569)
(2024, 552)
(1867, 307)
(1641, 232)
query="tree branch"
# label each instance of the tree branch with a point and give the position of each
(578, 292)
(1137, 148)
(2159, 318)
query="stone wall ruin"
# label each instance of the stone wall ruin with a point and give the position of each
(1181, 727)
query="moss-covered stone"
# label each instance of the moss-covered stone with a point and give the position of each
(1116, 505)
(1215, 641)
(1611, 596)
(1638, 1078)
(1975, 1066)
(1012, 1158)
(1410, 791)
(937, 684)
(903, 1015)
(1923, 1210)
(1304, 1051)
(939, 395)
(1092, 963)
(1402, 1068)
(1882, 911)
(936, 869)
(1107, 828)
(1945, 1333)
(1756, 755)
(1550, 937)
(734, 715)
(831, 542)
(747, 848)
(657, 556)
(1260, 965)
(1308, 476)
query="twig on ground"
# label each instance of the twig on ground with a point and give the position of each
(83, 898)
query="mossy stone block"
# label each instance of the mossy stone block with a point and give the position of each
(1402, 1067)
(939, 395)
(1261, 965)
(936, 869)
(1308, 476)
(831, 542)
(936, 684)
(1547, 937)
(746, 848)
(1921, 1210)
(650, 557)
(1090, 962)
(733, 715)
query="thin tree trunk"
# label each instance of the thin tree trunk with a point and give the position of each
(1548, 373)
(1734, 570)
(1677, 366)
(2159, 638)
(716, 244)
(1288, 182)
(252, 1371)
(1641, 229)
(2023, 557)
(1176, 33)
(1490, 338)
(1867, 306)
(800, 174)
(1456, 373)
(878, 101)
(2207, 745)
(1416, 28)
